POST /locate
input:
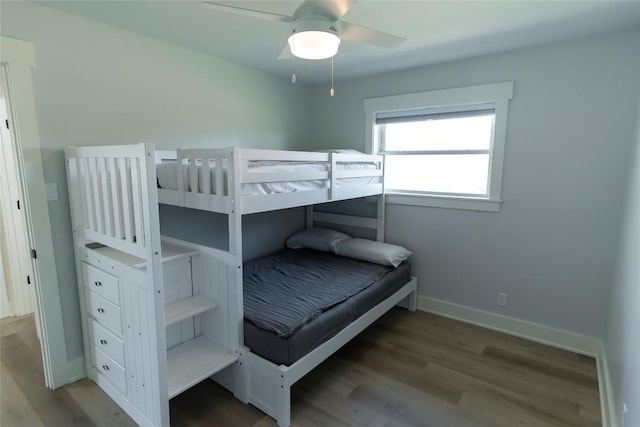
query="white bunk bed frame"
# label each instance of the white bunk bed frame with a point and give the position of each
(114, 200)
(237, 163)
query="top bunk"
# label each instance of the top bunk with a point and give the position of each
(116, 202)
(252, 180)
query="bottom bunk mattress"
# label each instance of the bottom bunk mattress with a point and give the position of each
(297, 299)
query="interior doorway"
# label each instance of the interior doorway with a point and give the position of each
(16, 270)
(17, 60)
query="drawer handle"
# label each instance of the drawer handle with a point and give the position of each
(98, 283)
(103, 342)
(105, 367)
(101, 310)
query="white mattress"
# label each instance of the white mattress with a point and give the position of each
(168, 178)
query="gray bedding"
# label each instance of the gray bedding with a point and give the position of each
(282, 292)
(285, 351)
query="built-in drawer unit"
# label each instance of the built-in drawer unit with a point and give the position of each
(109, 369)
(102, 283)
(109, 343)
(105, 312)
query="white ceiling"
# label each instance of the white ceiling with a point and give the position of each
(436, 31)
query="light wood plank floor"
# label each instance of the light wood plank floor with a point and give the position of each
(408, 369)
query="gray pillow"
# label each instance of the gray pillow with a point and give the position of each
(320, 239)
(372, 251)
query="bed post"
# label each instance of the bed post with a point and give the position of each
(236, 311)
(235, 245)
(380, 218)
(283, 402)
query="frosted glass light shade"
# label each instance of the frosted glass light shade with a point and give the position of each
(314, 44)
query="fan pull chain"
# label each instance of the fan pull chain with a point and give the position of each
(293, 58)
(332, 92)
(293, 75)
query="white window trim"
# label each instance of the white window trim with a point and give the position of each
(497, 93)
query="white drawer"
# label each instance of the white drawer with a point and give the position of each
(104, 312)
(102, 283)
(106, 341)
(109, 369)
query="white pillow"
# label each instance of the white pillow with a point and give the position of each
(372, 251)
(320, 239)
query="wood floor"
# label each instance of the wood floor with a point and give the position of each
(408, 369)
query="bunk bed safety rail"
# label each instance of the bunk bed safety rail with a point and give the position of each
(251, 157)
(348, 191)
(110, 183)
(333, 162)
(205, 185)
(259, 180)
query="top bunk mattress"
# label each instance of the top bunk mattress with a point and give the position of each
(168, 177)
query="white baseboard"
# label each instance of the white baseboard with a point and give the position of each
(607, 404)
(565, 340)
(558, 338)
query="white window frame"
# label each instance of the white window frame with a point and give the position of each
(497, 94)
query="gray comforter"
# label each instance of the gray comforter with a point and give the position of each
(282, 292)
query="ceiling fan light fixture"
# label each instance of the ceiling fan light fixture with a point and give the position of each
(316, 44)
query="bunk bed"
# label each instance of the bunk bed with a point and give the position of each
(160, 314)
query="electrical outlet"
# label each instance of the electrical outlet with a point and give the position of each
(624, 415)
(502, 299)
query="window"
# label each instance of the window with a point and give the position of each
(443, 148)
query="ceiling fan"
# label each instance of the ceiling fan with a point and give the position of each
(317, 28)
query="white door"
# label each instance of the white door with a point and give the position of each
(16, 273)
(17, 60)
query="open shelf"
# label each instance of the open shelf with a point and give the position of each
(170, 252)
(193, 361)
(187, 308)
(116, 255)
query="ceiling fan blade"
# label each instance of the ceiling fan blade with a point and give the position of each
(332, 9)
(360, 34)
(247, 12)
(285, 54)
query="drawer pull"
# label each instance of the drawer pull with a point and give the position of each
(103, 342)
(101, 310)
(98, 283)
(105, 367)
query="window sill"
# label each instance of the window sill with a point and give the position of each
(468, 203)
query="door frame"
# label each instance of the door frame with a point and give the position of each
(17, 60)
(18, 288)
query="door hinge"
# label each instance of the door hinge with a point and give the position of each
(34, 254)
(28, 280)
(6, 123)
(18, 203)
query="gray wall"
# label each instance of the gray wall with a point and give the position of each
(98, 85)
(622, 340)
(262, 233)
(551, 247)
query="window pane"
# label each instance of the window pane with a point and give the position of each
(466, 133)
(457, 173)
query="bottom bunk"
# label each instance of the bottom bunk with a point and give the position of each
(302, 297)
(300, 307)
